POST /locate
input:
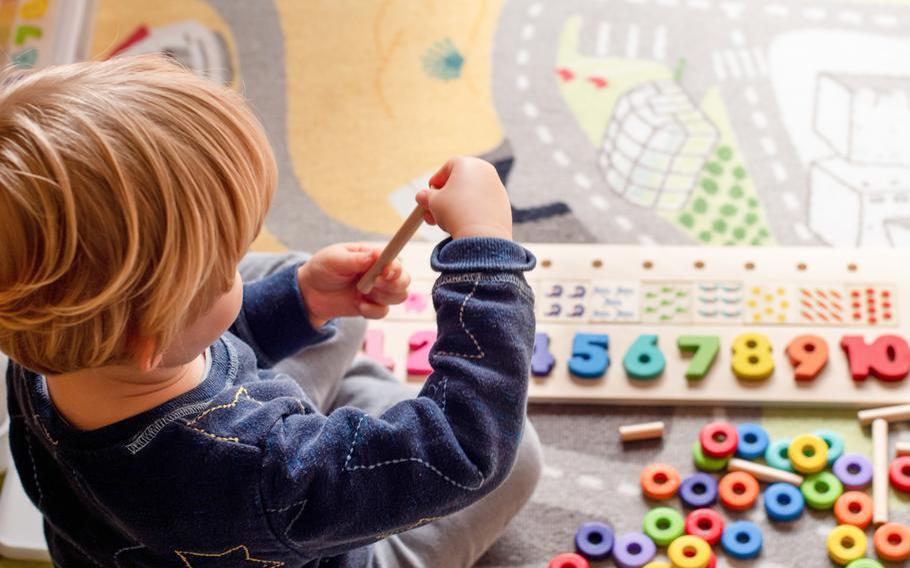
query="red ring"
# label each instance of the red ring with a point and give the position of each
(892, 542)
(853, 508)
(568, 560)
(738, 490)
(659, 481)
(714, 448)
(712, 563)
(899, 472)
(705, 523)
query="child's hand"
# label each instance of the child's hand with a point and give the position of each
(328, 283)
(471, 201)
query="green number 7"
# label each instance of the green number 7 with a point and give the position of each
(704, 350)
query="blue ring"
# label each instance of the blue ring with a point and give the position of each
(784, 502)
(698, 490)
(742, 540)
(598, 548)
(753, 441)
(776, 455)
(835, 444)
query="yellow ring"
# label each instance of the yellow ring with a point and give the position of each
(657, 564)
(817, 450)
(838, 540)
(699, 552)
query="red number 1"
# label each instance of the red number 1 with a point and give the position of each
(887, 358)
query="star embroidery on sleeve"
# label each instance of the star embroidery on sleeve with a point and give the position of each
(237, 557)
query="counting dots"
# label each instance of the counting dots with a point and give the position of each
(846, 543)
(899, 472)
(689, 552)
(821, 490)
(854, 471)
(853, 508)
(742, 540)
(568, 560)
(892, 542)
(783, 502)
(594, 541)
(718, 440)
(663, 525)
(808, 453)
(659, 481)
(776, 455)
(706, 524)
(633, 550)
(738, 490)
(753, 441)
(698, 490)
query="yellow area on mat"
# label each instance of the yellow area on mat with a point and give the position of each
(364, 118)
(117, 20)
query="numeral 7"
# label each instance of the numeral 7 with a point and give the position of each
(704, 349)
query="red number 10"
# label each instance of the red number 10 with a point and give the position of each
(887, 358)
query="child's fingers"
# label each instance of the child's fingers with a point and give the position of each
(371, 310)
(423, 199)
(387, 298)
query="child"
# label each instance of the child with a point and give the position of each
(164, 414)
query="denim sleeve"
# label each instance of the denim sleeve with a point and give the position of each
(332, 483)
(274, 320)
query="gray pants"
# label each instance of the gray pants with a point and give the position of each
(333, 375)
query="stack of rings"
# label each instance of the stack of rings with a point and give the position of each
(568, 560)
(659, 481)
(633, 549)
(704, 462)
(753, 441)
(808, 453)
(899, 472)
(892, 542)
(718, 440)
(846, 543)
(853, 508)
(706, 524)
(776, 455)
(594, 541)
(698, 490)
(742, 540)
(783, 502)
(689, 552)
(854, 471)
(738, 490)
(663, 525)
(821, 490)
(835, 444)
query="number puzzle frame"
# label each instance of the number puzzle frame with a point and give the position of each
(782, 293)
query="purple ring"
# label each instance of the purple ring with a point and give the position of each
(853, 480)
(633, 550)
(594, 541)
(699, 490)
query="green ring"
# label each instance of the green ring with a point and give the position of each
(706, 463)
(865, 563)
(818, 498)
(776, 455)
(675, 525)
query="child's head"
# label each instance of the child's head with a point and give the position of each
(129, 190)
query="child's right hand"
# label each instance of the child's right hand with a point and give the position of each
(470, 202)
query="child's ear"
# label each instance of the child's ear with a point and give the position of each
(144, 355)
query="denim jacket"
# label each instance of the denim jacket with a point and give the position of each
(243, 470)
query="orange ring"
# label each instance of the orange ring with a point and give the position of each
(738, 490)
(659, 481)
(853, 508)
(892, 542)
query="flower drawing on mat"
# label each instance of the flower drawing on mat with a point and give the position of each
(443, 61)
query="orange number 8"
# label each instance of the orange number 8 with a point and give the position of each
(752, 359)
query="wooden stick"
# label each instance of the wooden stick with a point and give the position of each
(764, 472)
(889, 413)
(644, 431)
(879, 471)
(391, 250)
(902, 448)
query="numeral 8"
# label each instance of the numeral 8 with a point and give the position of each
(752, 359)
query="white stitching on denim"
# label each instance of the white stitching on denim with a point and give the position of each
(445, 385)
(294, 519)
(427, 465)
(288, 508)
(146, 436)
(466, 330)
(44, 431)
(125, 549)
(31, 457)
(240, 392)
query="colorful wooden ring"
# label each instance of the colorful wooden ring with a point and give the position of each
(705, 463)
(689, 552)
(776, 455)
(892, 542)
(633, 550)
(706, 524)
(659, 481)
(594, 541)
(718, 440)
(853, 508)
(899, 472)
(846, 543)
(698, 490)
(568, 560)
(854, 471)
(753, 441)
(821, 490)
(663, 525)
(835, 443)
(738, 490)
(742, 540)
(865, 563)
(808, 453)
(783, 502)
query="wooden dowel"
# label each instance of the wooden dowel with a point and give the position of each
(644, 431)
(902, 448)
(764, 472)
(880, 471)
(889, 413)
(392, 250)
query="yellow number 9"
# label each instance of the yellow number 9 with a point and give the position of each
(752, 359)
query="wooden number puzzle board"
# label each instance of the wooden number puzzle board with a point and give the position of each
(628, 291)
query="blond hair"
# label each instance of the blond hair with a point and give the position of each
(129, 190)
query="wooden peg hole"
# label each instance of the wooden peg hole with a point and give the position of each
(749, 265)
(699, 264)
(852, 267)
(647, 265)
(801, 266)
(597, 263)
(546, 263)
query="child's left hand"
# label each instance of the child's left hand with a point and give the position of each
(328, 283)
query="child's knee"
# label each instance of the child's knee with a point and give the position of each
(528, 464)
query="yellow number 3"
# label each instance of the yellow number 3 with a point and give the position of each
(752, 359)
